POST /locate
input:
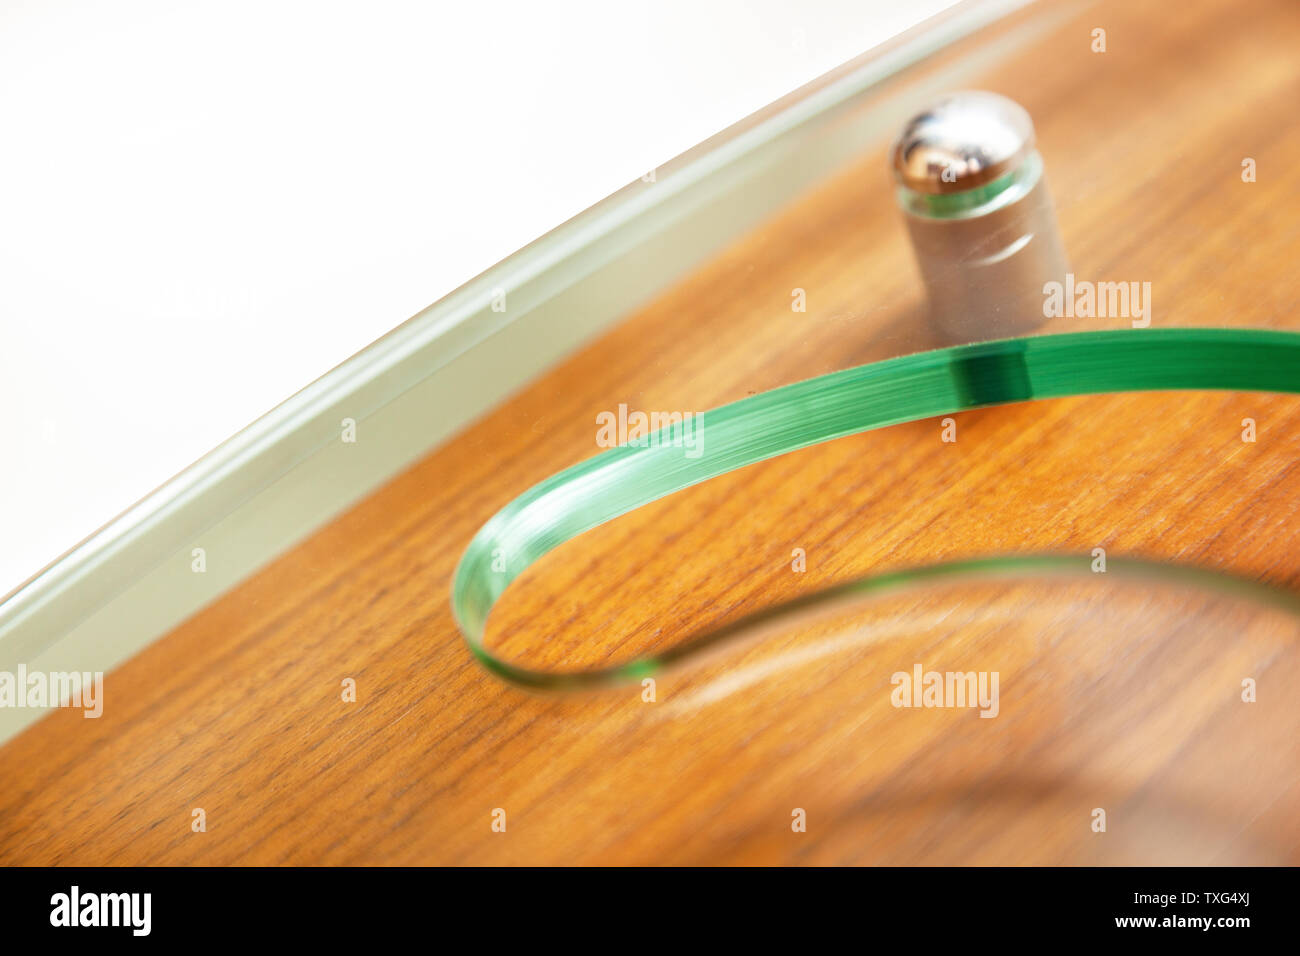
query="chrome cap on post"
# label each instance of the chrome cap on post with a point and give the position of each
(981, 220)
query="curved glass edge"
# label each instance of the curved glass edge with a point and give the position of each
(890, 392)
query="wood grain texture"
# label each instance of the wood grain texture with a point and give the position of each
(1123, 699)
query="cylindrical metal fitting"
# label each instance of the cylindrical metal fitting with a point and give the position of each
(981, 219)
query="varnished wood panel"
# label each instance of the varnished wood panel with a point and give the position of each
(239, 712)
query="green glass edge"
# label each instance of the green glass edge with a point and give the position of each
(894, 391)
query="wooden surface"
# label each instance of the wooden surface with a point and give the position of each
(1113, 697)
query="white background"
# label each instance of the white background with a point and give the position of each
(205, 206)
